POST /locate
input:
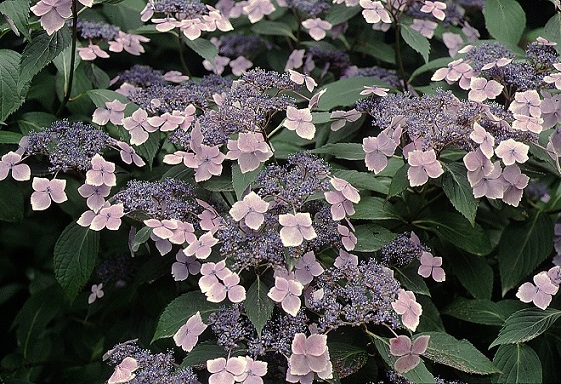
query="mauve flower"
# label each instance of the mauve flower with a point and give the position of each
(317, 28)
(250, 150)
(209, 161)
(191, 28)
(343, 117)
(541, 293)
(345, 260)
(124, 371)
(436, 8)
(230, 287)
(306, 268)
(551, 110)
(554, 78)
(377, 150)
(202, 247)
(255, 10)
(483, 89)
(374, 12)
(310, 354)
(503, 61)
(95, 195)
(453, 71)
(163, 246)
(511, 151)
(187, 336)
(101, 173)
(166, 24)
(340, 205)
(225, 371)
(374, 90)
(424, 27)
(485, 140)
(52, 13)
(114, 113)
(300, 120)
(295, 60)
(296, 228)
(527, 123)
(175, 77)
(11, 162)
(97, 293)
(406, 305)
(162, 228)
(138, 126)
(167, 121)
(478, 165)
(184, 233)
(287, 292)
(408, 351)
(128, 42)
(453, 42)
(184, 266)
(46, 190)
(251, 209)
(108, 217)
(253, 372)
(554, 274)
(92, 52)
(431, 265)
(129, 155)
(314, 100)
(491, 186)
(515, 182)
(348, 238)
(526, 103)
(240, 65)
(210, 220)
(423, 164)
(211, 272)
(216, 20)
(299, 78)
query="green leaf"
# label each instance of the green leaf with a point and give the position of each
(18, 12)
(203, 48)
(346, 358)
(339, 13)
(522, 247)
(74, 257)
(475, 274)
(11, 201)
(63, 63)
(454, 228)
(518, 363)
(505, 20)
(441, 62)
(11, 97)
(180, 310)
(9, 137)
(416, 41)
(240, 181)
(430, 319)
(141, 236)
(480, 311)
(376, 48)
(100, 96)
(372, 237)
(526, 325)
(34, 121)
(459, 354)
(272, 28)
(419, 374)
(375, 208)
(345, 92)
(552, 30)
(347, 151)
(258, 306)
(456, 186)
(41, 51)
(363, 180)
(400, 181)
(411, 280)
(149, 148)
(97, 76)
(201, 353)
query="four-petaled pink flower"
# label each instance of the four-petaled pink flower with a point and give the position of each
(511, 151)
(527, 123)
(108, 217)
(306, 268)
(184, 266)
(164, 229)
(208, 162)
(374, 90)
(406, 305)
(101, 173)
(541, 293)
(374, 12)
(309, 355)
(478, 165)
(348, 238)
(407, 351)
(211, 272)
(184, 233)
(128, 42)
(167, 121)
(345, 260)
(342, 198)
(436, 8)
(481, 89)
(202, 247)
(230, 286)
(53, 13)
(129, 155)
(317, 28)
(343, 117)
(485, 140)
(526, 103)
(92, 52)
(453, 72)
(431, 265)
(250, 149)
(515, 182)
(299, 78)
(97, 293)
(300, 120)
(225, 371)
(11, 162)
(296, 228)
(124, 371)
(423, 164)
(377, 150)
(114, 113)
(491, 185)
(255, 10)
(424, 27)
(138, 126)
(251, 209)
(95, 195)
(287, 292)
(551, 110)
(253, 372)
(187, 336)
(46, 190)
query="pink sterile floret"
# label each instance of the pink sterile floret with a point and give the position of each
(317, 28)
(287, 292)
(162, 228)
(253, 372)
(306, 268)
(431, 265)
(526, 103)
(407, 351)
(515, 182)
(225, 371)
(124, 371)
(92, 52)
(436, 8)
(541, 293)
(230, 287)
(423, 164)
(300, 120)
(377, 150)
(481, 89)
(406, 305)
(184, 266)
(11, 162)
(46, 190)
(101, 173)
(453, 72)
(129, 155)
(299, 78)
(348, 238)
(138, 126)
(485, 140)
(374, 12)
(202, 247)
(511, 151)
(53, 13)
(187, 336)
(296, 228)
(211, 272)
(309, 355)
(250, 149)
(97, 293)
(251, 209)
(345, 260)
